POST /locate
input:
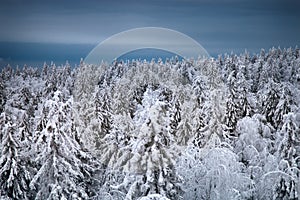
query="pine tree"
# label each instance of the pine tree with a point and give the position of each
(290, 142)
(244, 95)
(7, 73)
(184, 129)
(103, 112)
(113, 147)
(63, 163)
(269, 100)
(14, 176)
(150, 152)
(232, 104)
(154, 155)
(285, 104)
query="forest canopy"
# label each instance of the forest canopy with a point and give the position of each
(225, 128)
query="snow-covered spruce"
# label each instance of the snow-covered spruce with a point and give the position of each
(64, 168)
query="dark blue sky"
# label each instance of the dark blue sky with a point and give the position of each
(36, 31)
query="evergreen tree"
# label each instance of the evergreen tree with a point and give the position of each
(95, 117)
(154, 155)
(232, 104)
(244, 94)
(184, 129)
(113, 146)
(150, 152)
(14, 176)
(289, 141)
(269, 100)
(285, 104)
(103, 111)
(62, 162)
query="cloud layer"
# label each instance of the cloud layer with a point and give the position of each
(218, 25)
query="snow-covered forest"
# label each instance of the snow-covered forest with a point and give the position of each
(226, 128)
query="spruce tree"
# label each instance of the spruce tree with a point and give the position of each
(14, 174)
(64, 167)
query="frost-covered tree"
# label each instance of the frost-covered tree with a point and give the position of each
(200, 105)
(103, 112)
(61, 160)
(289, 141)
(14, 175)
(153, 155)
(213, 173)
(238, 101)
(149, 155)
(285, 104)
(7, 73)
(287, 183)
(184, 129)
(245, 97)
(255, 150)
(231, 115)
(269, 100)
(94, 118)
(86, 79)
(232, 103)
(115, 144)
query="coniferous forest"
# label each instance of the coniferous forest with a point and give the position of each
(225, 128)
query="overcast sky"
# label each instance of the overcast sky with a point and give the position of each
(220, 26)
